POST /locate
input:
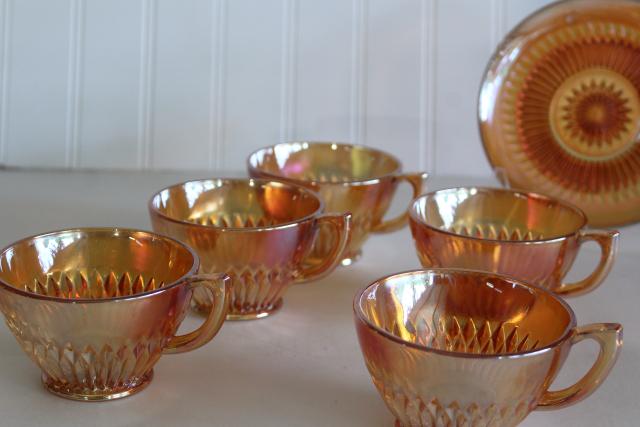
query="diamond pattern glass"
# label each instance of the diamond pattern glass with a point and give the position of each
(451, 347)
(96, 308)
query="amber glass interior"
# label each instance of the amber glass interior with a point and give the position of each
(323, 162)
(236, 203)
(497, 214)
(464, 311)
(94, 263)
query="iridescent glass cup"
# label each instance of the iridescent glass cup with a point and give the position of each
(96, 308)
(258, 232)
(459, 347)
(525, 235)
(349, 178)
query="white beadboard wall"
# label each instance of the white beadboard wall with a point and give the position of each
(198, 84)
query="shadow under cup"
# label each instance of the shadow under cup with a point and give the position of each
(96, 308)
(461, 347)
(348, 178)
(524, 235)
(259, 232)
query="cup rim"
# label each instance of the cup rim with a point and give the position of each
(178, 282)
(283, 225)
(369, 181)
(418, 219)
(362, 318)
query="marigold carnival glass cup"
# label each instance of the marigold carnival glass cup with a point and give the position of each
(525, 235)
(95, 308)
(349, 178)
(451, 347)
(258, 232)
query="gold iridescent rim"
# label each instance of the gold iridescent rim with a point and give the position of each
(179, 281)
(566, 334)
(280, 226)
(369, 181)
(419, 219)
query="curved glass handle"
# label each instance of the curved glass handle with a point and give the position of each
(219, 286)
(341, 225)
(608, 241)
(609, 337)
(417, 181)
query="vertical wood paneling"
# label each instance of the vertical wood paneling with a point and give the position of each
(393, 90)
(5, 42)
(516, 11)
(146, 86)
(74, 78)
(108, 133)
(359, 70)
(464, 48)
(36, 122)
(253, 90)
(181, 100)
(323, 98)
(428, 77)
(200, 83)
(498, 21)
(289, 40)
(217, 83)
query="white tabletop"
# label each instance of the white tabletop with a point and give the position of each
(301, 367)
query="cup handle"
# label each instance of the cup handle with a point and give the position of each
(609, 337)
(341, 224)
(416, 180)
(219, 286)
(608, 241)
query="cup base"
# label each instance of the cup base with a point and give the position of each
(351, 258)
(251, 315)
(64, 390)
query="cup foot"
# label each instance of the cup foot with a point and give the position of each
(94, 395)
(233, 314)
(351, 258)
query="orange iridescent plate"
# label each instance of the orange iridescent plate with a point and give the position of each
(559, 109)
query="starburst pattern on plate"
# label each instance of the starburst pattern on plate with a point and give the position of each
(560, 107)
